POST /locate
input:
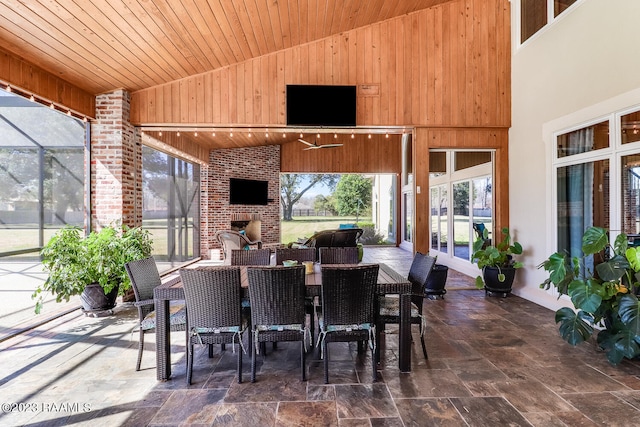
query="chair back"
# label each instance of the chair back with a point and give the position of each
(251, 257)
(229, 239)
(144, 277)
(277, 295)
(212, 296)
(348, 294)
(295, 254)
(347, 255)
(421, 268)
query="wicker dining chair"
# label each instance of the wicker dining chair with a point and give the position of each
(277, 297)
(346, 255)
(251, 257)
(214, 315)
(421, 267)
(301, 255)
(145, 277)
(348, 309)
(295, 254)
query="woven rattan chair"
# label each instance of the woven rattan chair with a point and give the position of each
(277, 309)
(301, 255)
(251, 257)
(295, 254)
(348, 308)
(338, 255)
(144, 278)
(421, 267)
(214, 314)
(231, 239)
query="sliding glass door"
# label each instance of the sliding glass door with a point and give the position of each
(463, 181)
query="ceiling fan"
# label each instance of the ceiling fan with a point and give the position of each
(316, 146)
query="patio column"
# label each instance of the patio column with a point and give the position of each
(116, 163)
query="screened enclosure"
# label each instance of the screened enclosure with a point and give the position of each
(42, 174)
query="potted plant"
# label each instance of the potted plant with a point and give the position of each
(496, 262)
(602, 284)
(92, 266)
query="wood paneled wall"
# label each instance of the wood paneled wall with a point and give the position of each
(46, 86)
(360, 154)
(429, 138)
(448, 65)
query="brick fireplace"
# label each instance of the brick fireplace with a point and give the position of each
(259, 163)
(251, 224)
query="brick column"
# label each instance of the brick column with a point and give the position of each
(116, 163)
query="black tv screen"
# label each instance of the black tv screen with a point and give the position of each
(321, 105)
(248, 192)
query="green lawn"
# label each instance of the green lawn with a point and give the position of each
(461, 228)
(305, 226)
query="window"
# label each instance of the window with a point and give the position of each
(461, 180)
(587, 192)
(42, 155)
(584, 140)
(171, 207)
(534, 15)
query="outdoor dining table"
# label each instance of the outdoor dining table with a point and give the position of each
(389, 282)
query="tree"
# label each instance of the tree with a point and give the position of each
(291, 189)
(461, 198)
(325, 203)
(353, 195)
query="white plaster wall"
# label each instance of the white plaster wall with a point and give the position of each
(583, 66)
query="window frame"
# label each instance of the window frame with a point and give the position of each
(516, 24)
(614, 154)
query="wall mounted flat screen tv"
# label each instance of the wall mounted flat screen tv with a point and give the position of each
(321, 105)
(248, 192)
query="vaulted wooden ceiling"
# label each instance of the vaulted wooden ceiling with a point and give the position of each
(103, 45)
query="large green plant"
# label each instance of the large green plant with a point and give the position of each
(604, 297)
(73, 262)
(499, 255)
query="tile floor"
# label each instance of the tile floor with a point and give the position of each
(492, 362)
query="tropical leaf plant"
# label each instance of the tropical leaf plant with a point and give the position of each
(499, 255)
(604, 299)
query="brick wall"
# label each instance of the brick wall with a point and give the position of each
(116, 159)
(260, 163)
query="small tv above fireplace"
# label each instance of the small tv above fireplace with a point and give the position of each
(248, 192)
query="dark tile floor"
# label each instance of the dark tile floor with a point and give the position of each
(492, 362)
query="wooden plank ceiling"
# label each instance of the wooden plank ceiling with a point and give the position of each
(103, 45)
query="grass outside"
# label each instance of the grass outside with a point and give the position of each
(460, 228)
(305, 226)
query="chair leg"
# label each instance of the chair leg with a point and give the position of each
(210, 351)
(326, 361)
(303, 354)
(240, 366)
(253, 361)
(189, 362)
(140, 348)
(379, 330)
(374, 367)
(424, 348)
